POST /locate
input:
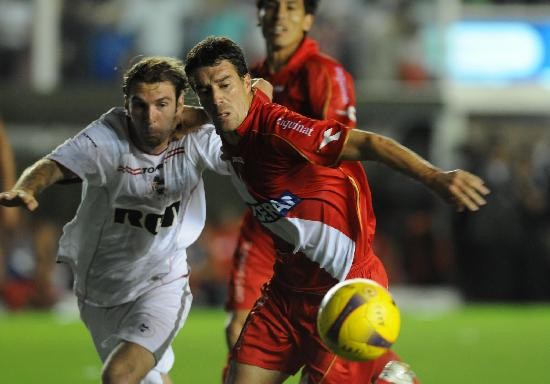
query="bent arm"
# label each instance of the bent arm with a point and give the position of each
(363, 145)
(32, 181)
(459, 187)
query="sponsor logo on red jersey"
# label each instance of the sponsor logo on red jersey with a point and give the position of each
(273, 209)
(295, 126)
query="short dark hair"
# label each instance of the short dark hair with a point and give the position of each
(211, 51)
(155, 69)
(309, 5)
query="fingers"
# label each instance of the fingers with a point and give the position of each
(468, 191)
(18, 198)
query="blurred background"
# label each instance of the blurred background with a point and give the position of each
(464, 83)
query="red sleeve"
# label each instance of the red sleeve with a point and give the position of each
(318, 141)
(331, 92)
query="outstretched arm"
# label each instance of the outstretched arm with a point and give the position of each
(32, 181)
(459, 187)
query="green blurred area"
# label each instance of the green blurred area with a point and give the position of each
(475, 344)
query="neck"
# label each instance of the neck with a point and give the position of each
(147, 148)
(157, 150)
(231, 137)
(278, 57)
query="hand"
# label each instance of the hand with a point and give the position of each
(190, 119)
(461, 188)
(264, 86)
(18, 198)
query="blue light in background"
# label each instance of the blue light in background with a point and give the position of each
(498, 52)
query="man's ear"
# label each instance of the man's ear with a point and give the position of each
(308, 22)
(180, 102)
(248, 82)
(126, 106)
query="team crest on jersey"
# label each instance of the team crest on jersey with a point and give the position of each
(274, 209)
(158, 185)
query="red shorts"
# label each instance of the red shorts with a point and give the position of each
(281, 335)
(252, 265)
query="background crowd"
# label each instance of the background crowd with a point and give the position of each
(394, 50)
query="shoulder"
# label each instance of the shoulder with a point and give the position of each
(112, 122)
(108, 129)
(322, 62)
(198, 136)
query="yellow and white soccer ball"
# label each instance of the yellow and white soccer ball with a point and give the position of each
(358, 319)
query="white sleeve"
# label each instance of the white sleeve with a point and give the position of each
(85, 153)
(209, 145)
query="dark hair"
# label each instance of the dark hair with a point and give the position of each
(156, 69)
(211, 51)
(309, 5)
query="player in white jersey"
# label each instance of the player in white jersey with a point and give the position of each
(142, 205)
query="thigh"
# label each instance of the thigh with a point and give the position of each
(268, 339)
(131, 361)
(252, 266)
(245, 374)
(328, 368)
(152, 321)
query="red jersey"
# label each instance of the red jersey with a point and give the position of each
(316, 86)
(286, 168)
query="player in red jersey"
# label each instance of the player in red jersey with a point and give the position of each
(315, 85)
(308, 82)
(287, 168)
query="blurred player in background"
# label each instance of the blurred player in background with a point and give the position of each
(287, 168)
(27, 248)
(313, 84)
(142, 205)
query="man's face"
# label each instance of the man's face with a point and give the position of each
(284, 22)
(225, 96)
(153, 110)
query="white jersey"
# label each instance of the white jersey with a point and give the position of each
(138, 212)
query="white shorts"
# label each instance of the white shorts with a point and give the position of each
(152, 321)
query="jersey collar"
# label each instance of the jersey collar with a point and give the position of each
(306, 48)
(258, 100)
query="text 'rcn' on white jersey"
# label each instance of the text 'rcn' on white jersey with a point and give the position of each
(138, 213)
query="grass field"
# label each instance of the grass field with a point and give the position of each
(476, 344)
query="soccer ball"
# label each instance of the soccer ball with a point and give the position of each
(358, 319)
